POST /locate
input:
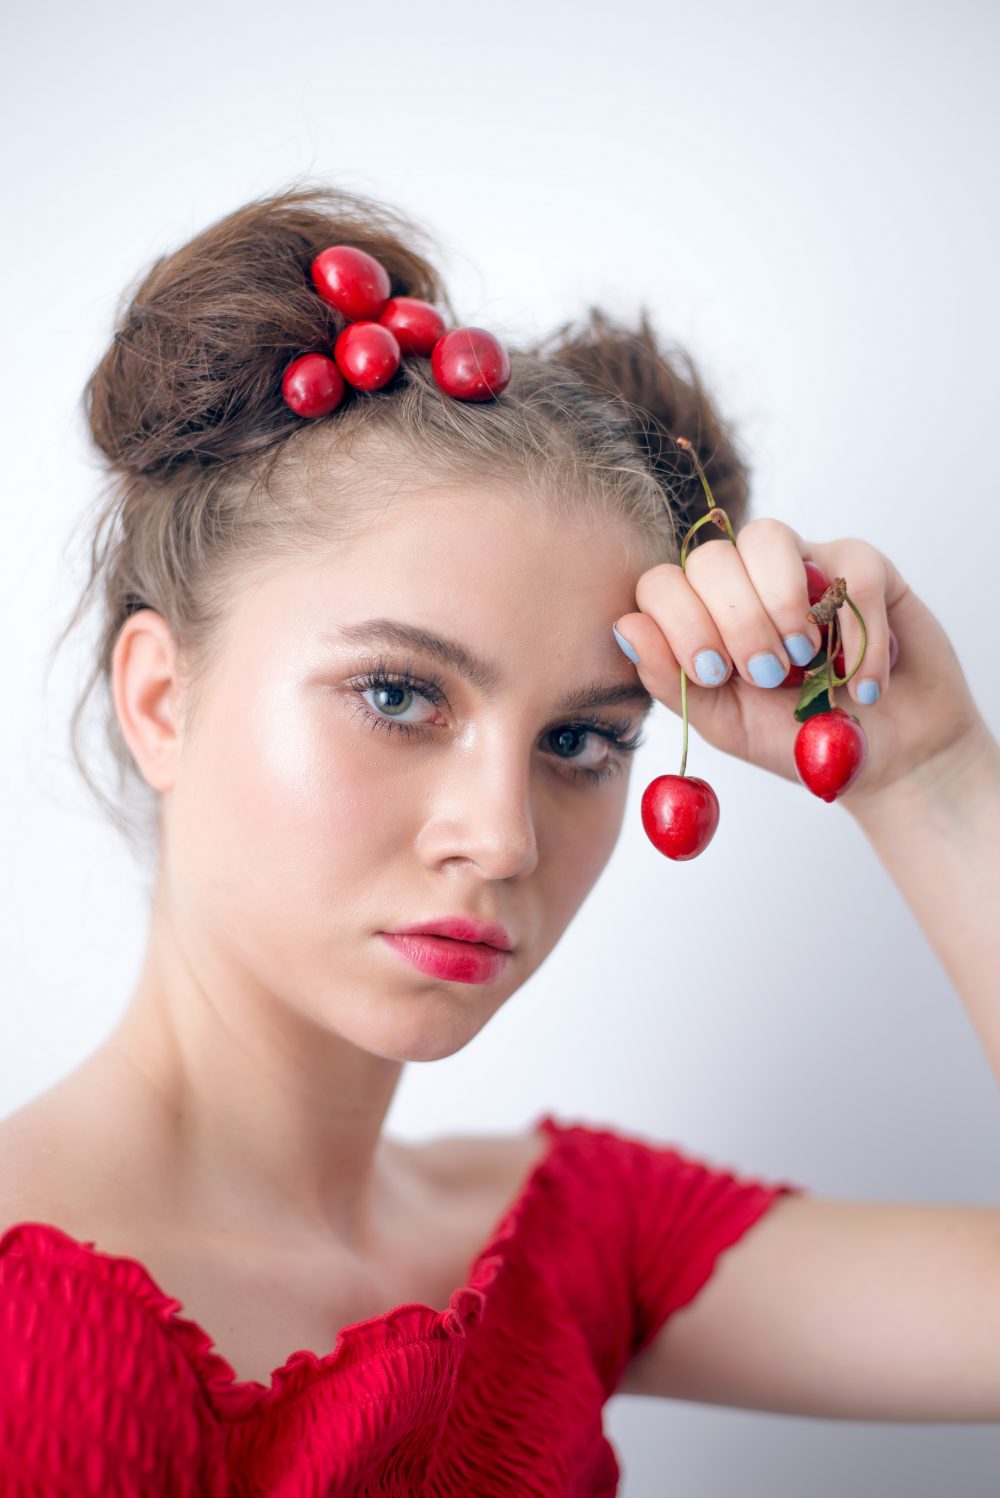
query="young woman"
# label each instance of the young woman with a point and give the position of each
(362, 670)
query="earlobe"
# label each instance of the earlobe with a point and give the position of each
(144, 686)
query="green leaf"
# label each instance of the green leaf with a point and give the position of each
(813, 698)
(820, 704)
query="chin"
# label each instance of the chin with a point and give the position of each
(433, 1027)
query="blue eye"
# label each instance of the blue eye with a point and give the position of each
(393, 690)
(403, 685)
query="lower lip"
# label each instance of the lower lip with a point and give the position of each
(441, 957)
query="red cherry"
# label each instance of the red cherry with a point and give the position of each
(831, 750)
(680, 814)
(367, 355)
(470, 364)
(351, 280)
(796, 676)
(313, 385)
(416, 324)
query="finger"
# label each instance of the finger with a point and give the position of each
(866, 572)
(712, 712)
(678, 630)
(716, 573)
(772, 556)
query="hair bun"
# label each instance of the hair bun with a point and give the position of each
(666, 399)
(193, 373)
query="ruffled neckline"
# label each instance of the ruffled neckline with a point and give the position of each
(415, 1321)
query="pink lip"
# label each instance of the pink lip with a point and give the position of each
(457, 961)
(460, 928)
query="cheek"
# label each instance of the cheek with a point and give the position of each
(281, 799)
(576, 850)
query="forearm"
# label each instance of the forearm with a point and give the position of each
(939, 840)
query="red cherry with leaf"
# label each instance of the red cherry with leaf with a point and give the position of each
(352, 281)
(831, 750)
(680, 814)
(367, 355)
(470, 364)
(817, 583)
(313, 385)
(416, 324)
(797, 674)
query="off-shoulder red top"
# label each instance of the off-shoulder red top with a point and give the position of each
(106, 1390)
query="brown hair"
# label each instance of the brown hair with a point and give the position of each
(208, 471)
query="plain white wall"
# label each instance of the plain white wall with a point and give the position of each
(805, 195)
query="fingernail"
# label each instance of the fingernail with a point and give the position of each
(766, 670)
(710, 666)
(625, 646)
(800, 648)
(868, 691)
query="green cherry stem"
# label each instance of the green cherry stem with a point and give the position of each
(864, 640)
(833, 645)
(831, 655)
(688, 447)
(684, 718)
(715, 515)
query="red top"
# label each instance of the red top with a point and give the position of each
(105, 1389)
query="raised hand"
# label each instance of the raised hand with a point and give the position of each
(748, 604)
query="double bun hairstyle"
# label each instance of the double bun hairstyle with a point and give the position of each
(210, 478)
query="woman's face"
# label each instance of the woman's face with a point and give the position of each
(311, 809)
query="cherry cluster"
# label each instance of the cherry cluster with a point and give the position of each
(680, 813)
(467, 363)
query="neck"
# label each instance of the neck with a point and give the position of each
(248, 1112)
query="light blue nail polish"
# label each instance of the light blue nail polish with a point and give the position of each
(800, 649)
(626, 646)
(868, 691)
(710, 667)
(766, 669)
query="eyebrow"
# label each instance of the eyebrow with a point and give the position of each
(483, 674)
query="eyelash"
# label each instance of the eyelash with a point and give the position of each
(379, 674)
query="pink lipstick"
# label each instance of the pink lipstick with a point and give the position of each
(456, 948)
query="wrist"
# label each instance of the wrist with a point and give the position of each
(966, 772)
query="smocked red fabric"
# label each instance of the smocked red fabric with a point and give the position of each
(106, 1391)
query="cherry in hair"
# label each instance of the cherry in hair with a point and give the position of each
(470, 364)
(416, 324)
(352, 281)
(313, 385)
(367, 355)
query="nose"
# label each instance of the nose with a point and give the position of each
(482, 814)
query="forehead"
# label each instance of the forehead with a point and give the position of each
(505, 536)
(474, 578)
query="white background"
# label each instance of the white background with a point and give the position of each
(805, 195)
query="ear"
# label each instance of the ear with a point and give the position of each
(146, 688)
